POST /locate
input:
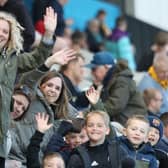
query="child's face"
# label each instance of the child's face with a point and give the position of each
(53, 163)
(153, 136)
(75, 139)
(96, 129)
(136, 132)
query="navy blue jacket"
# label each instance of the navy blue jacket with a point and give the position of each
(144, 156)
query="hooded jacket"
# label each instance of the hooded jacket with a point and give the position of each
(120, 96)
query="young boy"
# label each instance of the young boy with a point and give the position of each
(154, 136)
(133, 142)
(68, 136)
(98, 151)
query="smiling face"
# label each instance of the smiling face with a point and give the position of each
(75, 139)
(96, 129)
(137, 132)
(4, 33)
(52, 89)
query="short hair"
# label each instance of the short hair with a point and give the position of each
(161, 38)
(65, 67)
(120, 20)
(103, 114)
(149, 94)
(50, 155)
(77, 36)
(164, 119)
(160, 60)
(100, 12)
(136, 117)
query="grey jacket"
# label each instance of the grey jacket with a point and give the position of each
(10, 63)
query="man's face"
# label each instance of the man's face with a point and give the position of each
(99, 74)
(136, 132)
(78, 70)
(4, 33)
(157, 101)
(162, 72)
(20, 105)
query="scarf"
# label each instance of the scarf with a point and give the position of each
(152, 73)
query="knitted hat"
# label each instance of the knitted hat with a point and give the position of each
(156, 123)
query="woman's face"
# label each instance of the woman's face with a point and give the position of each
(4, 33)
(52, 89)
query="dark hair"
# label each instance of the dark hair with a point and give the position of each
(164, 119)
(120, 20)
(25, 91)
(61, 105)
(100, 12)
(77, 36)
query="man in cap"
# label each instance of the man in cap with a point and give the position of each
(119, 93)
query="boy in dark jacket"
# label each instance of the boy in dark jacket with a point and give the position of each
(57, 143)
(133, 142)
(99, 151)
(154, 137)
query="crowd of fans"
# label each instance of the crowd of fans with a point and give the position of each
(68, 98)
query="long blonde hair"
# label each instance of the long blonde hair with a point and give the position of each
(15, 41)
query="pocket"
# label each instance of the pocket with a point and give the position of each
(141, 164)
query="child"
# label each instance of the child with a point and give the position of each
(74, 134)
(133, 142)
(154, 136)
(52, 160)
(98, 151)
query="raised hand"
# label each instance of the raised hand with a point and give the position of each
(92, 95)
(42, 122)
(50, 21)
(61, 57)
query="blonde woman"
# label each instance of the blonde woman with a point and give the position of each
(12, 60)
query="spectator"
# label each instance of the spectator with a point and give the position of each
(157, 77)
(95, 40)
(68, 137)
(89, 154)
(119, 93)
(39, 9)
(12, 60)
(19, 10)
(50, 159)
(73, 74)
(133, 142)
(154, 137)
(163, 144)
(153, 100)
(121, 46)
(51, 98)
(101, 16)
(160, 45)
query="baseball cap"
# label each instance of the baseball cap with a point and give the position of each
(101, 58)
